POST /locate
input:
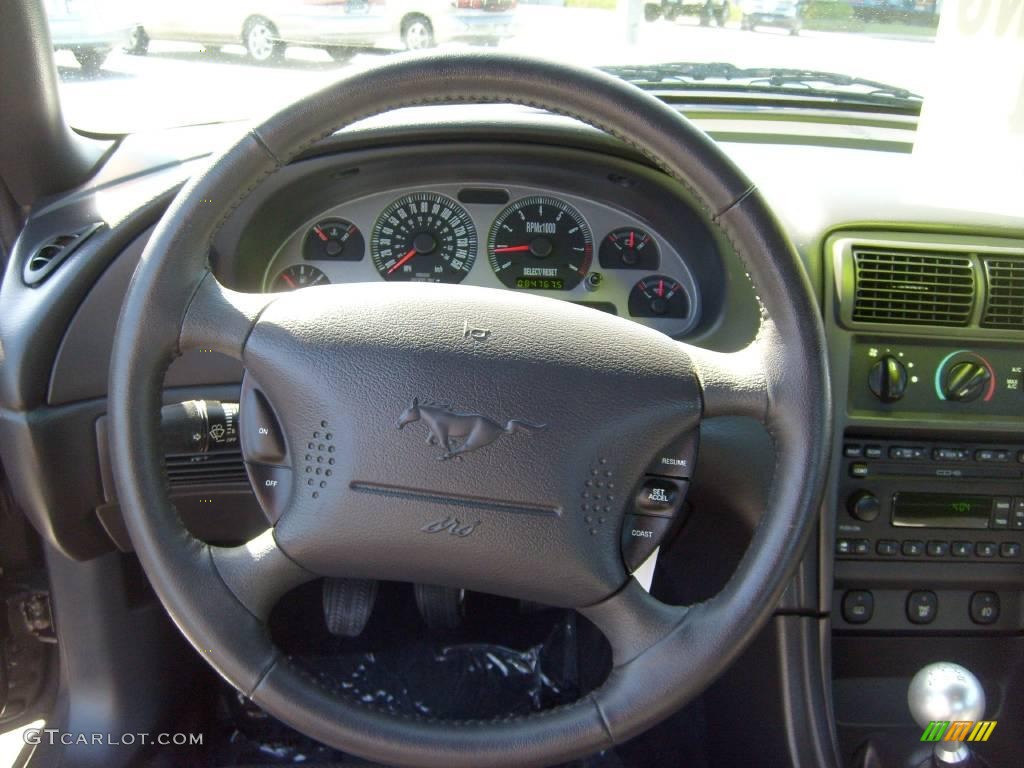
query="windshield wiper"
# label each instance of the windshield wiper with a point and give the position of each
(714, 74)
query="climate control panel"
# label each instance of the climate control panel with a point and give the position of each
(918, 377)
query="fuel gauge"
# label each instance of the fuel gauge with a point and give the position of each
(659, 296)
(298, 276)
(335, 239)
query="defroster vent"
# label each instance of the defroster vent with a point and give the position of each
(912, 287)
(1004, 304)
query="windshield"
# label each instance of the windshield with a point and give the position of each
(126, 66)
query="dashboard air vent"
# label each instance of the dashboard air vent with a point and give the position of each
(1004, 306)
(912, 287)
(52, 252)
(216, 468)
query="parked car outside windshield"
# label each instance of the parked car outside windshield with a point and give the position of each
(196, 61)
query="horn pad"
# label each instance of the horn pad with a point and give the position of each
(463, 436)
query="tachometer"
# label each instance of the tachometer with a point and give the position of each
(424, 236)
(540, 243)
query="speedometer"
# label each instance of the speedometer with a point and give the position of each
(540, 243)
(424, 236)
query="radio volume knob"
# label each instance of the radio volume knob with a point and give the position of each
(888, 379)
(966, 381)
(864, 506)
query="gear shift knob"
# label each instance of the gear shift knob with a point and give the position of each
(946, 692)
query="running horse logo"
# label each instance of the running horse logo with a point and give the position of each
(459, 433)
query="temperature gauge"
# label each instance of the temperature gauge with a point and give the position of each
(336, 239)
(629, 248)
(658, 296)
(298, 276)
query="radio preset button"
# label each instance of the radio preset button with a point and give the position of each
(861, 547)
(852, 451)
(873, 451)
(1009, 549)
(962, 549)
(938, 548)
(986, 549)
(913, 548)
(984, 608)
(922, 607)
(887, 547)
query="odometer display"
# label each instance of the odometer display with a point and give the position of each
(424, 236)
(540, 243)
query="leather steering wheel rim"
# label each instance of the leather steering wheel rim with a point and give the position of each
(663, 655)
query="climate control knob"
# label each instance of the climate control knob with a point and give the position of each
(864, 506)
(966, 381)
(888, 379)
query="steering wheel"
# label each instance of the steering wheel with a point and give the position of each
(336, 368)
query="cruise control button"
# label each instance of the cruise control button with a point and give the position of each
(272, 486)
(658, 496)
(262, 440)
(984, 607)
(641, 535)
(858, 606)
(922, 607)
(677, 459)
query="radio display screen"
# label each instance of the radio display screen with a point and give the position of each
(940, 510)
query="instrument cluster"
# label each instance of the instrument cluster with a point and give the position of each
(510, 236)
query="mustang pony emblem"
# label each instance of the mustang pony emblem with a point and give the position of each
(459, 433)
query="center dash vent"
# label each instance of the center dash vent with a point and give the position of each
(215, 468)
(912, 287)
(1004, 306)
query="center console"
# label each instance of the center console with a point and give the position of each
(923, 525)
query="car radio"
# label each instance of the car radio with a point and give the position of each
(914, 500)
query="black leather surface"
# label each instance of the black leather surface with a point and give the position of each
(671, 656)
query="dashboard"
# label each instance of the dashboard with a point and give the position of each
(517, 237)
(570, 224)
(928, 414)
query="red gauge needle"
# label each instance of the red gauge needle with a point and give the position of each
(512, 249)
(404, 260)
(632, 238)
(320, 234)
(661, 288)
(288, 279)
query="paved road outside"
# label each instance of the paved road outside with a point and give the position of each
(180, 83)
